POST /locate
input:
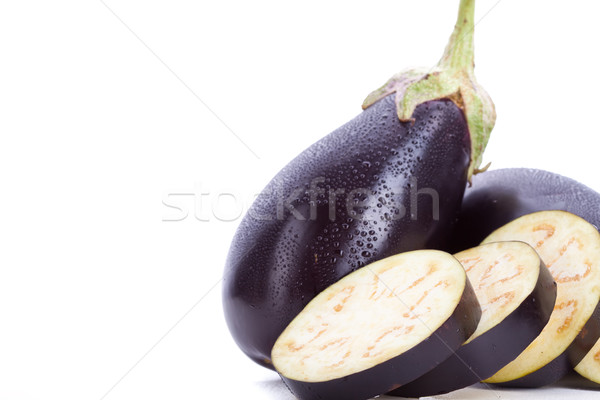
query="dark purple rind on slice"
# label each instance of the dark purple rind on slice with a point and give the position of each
(548, 374)
(586, 339)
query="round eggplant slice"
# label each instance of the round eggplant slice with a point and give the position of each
(516, 293)
(570, 248)
(378, 328)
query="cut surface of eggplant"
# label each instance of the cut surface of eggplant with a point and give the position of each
(516, 293)
(378, 328)
(570, 248)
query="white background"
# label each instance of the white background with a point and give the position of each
(97, 131)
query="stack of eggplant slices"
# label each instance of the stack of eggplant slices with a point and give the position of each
(519, 310)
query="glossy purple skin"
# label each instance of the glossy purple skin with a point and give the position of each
(276, 266)
(500, 196)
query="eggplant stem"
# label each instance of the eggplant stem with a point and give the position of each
(452, 78)
(458, 55)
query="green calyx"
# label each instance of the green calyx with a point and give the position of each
(452, 78)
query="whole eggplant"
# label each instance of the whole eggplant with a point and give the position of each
(390, 180)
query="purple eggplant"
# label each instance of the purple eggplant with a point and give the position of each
(390, 180)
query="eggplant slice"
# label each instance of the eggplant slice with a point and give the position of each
(517, 293)
(378, 328)
(570, 248)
